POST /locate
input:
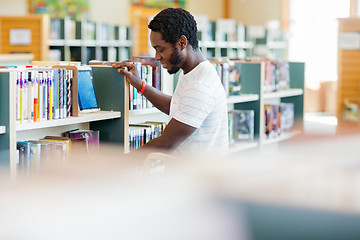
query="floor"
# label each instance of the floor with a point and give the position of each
(320, 123)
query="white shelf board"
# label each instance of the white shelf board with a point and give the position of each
(85, 117)
(2, 129)
(207, 44)
(242, 98)
(57, 42)
(144, 111)
(125, 43)
(89, 43)
(73, 43)
(284, 136)
(284, 93)
(242, 146)
(102, 43)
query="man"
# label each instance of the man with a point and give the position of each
(198, 107)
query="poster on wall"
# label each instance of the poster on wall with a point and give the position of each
(159, 3)
(75, 9)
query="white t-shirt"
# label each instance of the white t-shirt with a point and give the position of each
(199, 101)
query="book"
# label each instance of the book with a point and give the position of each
(243, 125)
(60, 148)
(91, 138)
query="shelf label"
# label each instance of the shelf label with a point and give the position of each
(20, 36)
(349, 41)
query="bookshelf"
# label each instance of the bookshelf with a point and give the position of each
(25, 34)
(253, 98)
(113, 121)
(64, 39)
(110, 121)
(225, 38)
(84, 41)
(348, 92)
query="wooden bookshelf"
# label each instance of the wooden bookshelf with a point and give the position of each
(14, 29)
(348, 70)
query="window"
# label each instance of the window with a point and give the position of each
(313, 34)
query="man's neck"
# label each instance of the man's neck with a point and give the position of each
(193, 59)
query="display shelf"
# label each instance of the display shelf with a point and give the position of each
(284, 93)
(242, 146)
(144, 111)
(85, 117)
(56, 42)
(242, 98)
(78, 38)
(284, 136)
(2, 129)
(73, 43)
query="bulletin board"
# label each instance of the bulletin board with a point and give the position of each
(75, 9)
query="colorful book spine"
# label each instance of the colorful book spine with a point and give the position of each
(40, 96)
(18, 101)
(61, 93)
(36, 93)
(51, 98)
(56, 93)
(68, 92)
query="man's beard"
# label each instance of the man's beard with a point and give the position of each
(175, 59)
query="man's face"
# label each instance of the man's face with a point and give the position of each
(167, 53)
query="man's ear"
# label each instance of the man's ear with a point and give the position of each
(182, 42)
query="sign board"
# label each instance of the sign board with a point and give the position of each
(349, 41)
(20, 36)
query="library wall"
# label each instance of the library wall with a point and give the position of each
(13, 7)
(211, 8)
(255, 12)
(110, 11)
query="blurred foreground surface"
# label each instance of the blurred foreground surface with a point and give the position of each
(308, 188)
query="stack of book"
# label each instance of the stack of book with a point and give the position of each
(50, 150)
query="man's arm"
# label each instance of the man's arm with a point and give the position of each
(159, 99)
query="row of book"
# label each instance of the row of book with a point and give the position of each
(230, 30)
(141, 133)
(278, 118)
(34, 154)
(59, 28)
(43, 95)
(241, 125)
(277, 76)
(230, 76)
(149, 71)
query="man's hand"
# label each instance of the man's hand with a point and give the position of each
(129, 71)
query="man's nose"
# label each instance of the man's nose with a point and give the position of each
(157, 56)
